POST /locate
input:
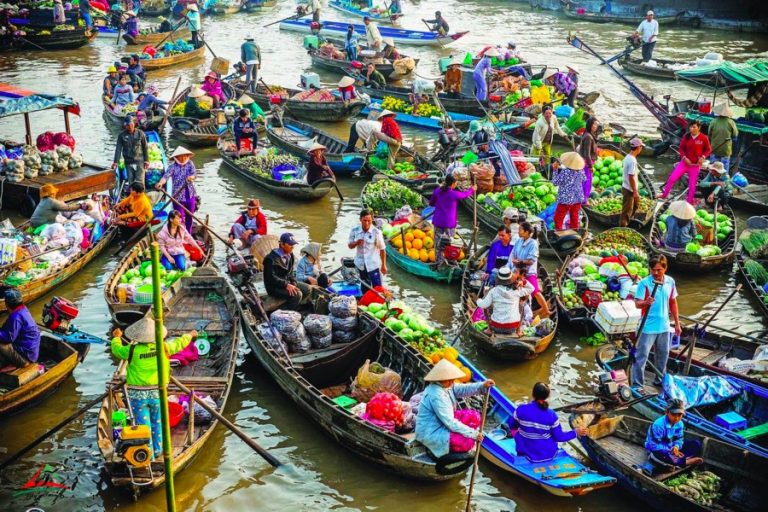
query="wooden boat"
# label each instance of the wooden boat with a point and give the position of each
(292, 189)
(378, 212)
(153, 11)
(752, 198)
(352, 9)
(504, 347)
(616, 446)
(173, 60)
(563, 476)
(750, 402)
(445, 273)
(45, 38)
(597, 17)
(258, 5)
(26, 386)
(404, 36)
(126, 313)
(423, 183)
(320, 111)
(199, 132)
(664, 68)
(117, 119)
(153, 37)
(203, 302)
(226, 6)
(383, 66)
(314, 379)
(296, 138)
(756, 291)
(467, 105)
(461, 121)
(690, 261)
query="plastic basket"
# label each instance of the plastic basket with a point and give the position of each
(144, 294)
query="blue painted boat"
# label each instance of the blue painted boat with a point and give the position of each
(351, 9)
(751, 403)
(426, 123)
(296, 138)
(399, 35)
(562, 476)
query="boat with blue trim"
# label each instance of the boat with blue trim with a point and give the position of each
(374, 12)
(399, 35)
(425, 123)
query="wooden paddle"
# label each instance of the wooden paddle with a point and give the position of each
(168, 110)
(468, 508)
(299, 14)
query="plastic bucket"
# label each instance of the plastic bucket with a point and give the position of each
(175, 413)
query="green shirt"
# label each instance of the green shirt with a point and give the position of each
(142, 368)
(192, 109)
(721, 132)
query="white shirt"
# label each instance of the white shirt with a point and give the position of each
(366, 128)
(630, 172)
(648, 30)
(315, 5)
(372, 35)
(367, 256)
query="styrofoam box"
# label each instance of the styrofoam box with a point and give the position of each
(618, 317)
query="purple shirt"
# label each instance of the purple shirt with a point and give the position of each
(445, 202)
(538, 432)
(483, 67)
(500, 252)
(178, 175)
(570, 189)
(21, 331)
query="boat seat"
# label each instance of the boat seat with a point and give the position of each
(272, 304)
(12, 377)
(753, 432)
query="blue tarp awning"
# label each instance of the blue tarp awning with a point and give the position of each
(15, 101)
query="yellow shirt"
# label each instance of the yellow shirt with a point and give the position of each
(139, 207)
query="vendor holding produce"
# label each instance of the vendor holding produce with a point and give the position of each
(588, 150)
(250, 225)
(142, 377)
(192, 106)
(370, 250)
(570, 178)
(658, 309)
(135, 211)
(132, 147)
(716, 185)
(544, 132)
(680, 227)
(182, 173)
(175, 242)
(504, 298)
(435, 420)
(49, 207)
(526, 253)
(445, 199)
(317, 167)
(630, 189)
(694, 150)
(666, 442)
(498, 254)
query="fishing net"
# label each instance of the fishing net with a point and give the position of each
(343, 306)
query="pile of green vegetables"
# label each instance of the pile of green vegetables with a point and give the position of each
(141, 273)
(755, 242)
(595, 340)
(702, 487)
(263, 164)
(612, 205)
(533, 194)
(756, 271)
(704, 220)
(388, 196)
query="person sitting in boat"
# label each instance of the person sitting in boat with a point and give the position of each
(391, 129)
(131, 24)
(165, 25)
(665, 441)
(49, 207)
(135, 211)
(453, 78)
(123, 94)
(278, 275)
(110, 82)
(504, 298)
(390, 50)
(141, 377)
(317, 167)
(435, 421)
(511, 52)
(373, 78)
(19, 335)
(175, 243)
(192, 106)
(680, 227)
(150, 104)
(249, 226)
(395, 7)
(243, 127)
(538, 427)
(309, 269)
(438, 24)
(498, 254)
(347, 89)
(421, 88)
(716, 185)
(212, 87)
(350, 43)
(136, 74)
(59, 17)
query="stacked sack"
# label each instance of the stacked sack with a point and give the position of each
(14, 170)
(483, 177)
(320, 330)
(343, 318)
(32, 162)
(272, 337)
(288, 324)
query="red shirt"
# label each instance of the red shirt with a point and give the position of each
(390, 128)
(695, 148)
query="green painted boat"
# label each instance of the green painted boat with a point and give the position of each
(418, 268)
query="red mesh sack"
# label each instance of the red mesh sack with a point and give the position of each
(64, 139)
(45, 141)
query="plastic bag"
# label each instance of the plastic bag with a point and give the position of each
(272, 337)
(318, 325)
(344, 336)
(344, 324)
(45, 141)
(321, 341)
(458, 443)
(64, 139)
(368, 382)
(343, 306)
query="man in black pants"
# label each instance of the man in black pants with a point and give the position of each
(279, 279)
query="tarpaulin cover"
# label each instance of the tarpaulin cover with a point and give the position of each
(733, 74)
(697, 391)
(14, 101)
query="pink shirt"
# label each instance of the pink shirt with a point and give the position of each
(213, 90)
(174, 245)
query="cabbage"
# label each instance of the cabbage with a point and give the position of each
(692, 247)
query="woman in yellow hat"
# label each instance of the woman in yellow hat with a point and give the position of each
(110, 82)
(49, 207)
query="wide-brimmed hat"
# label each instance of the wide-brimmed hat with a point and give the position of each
(249, 37)
(549, 73)
(181, 151)
(161, 19)
(456, 62)
(573, 68)
(346, 81)
(211, 74)
(492, 52)
(443, 370)
(683, 210)
(254, 203)
(245, 100)
(315, 146)
(48, 190)
(511, 213)
(572, 160)
(385, 113)
(504, 275)
(723, 109)
(511, 44)
(143, 331)
(192, 7)
(389, 41)
(718, 167)
(196, 92)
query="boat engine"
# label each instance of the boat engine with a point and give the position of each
(134, 446)
(58, 314)
(614, 387)
(240, 269)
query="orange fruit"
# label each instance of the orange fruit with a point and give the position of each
(424, 256)
(432, 256)
(409, 245)
(417, 244)
(451, 354)
(417, 233)
(429, 243)
(409, 237)
(413, 254)
(435, 358)
(397, 241)
(467, 375)
(461, 256)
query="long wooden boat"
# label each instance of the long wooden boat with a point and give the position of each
(292, 189)
(616, 446)
(664, 68)
(404, 36)
(314, 379)
(152, 11)
(424, 183)
(154, 37)
(752, 198)
(59, 359)
(505, 347)
(467, 105)
(750, 402)
(563, 476)
(55, 40)
(227, 7)
(296, 138)
(383, 66)
(320, 111)
(203, 302)
(193, 131)
(597, 17)
(351, 9)
(258, 5)
(461, 121)
(756, 292)
(173, 60)
(126, 313)
(117, 119)
(445, 273)
(692, 262)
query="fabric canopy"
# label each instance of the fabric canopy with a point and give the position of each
(14, 101)
(728, 74)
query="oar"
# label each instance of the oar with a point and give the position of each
(729, 331)
(468, 508)
(31, 43)
(168, 109)
(186, 210)
(299, 14)
(333, 182)
(271, 459)
(15, 263)
(692, 344)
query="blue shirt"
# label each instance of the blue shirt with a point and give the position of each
(538, 432)
(496, 254)
(21, 331)
(658, 316)
(148, 100)
(435, 421)
(525, 250)
(679, 232)
(238, 125)
(662, 436)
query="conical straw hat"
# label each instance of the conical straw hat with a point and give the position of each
(444, 370)
(143, 331)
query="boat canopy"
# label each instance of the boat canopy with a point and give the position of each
(15, 101)
(727, 75)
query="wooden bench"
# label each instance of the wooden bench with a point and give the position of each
(12, 377)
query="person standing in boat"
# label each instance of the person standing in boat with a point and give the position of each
(588, 150)
(479, 74)
(249, 226)
(722, 135)
(526, 253)
(658, 309)
(19, 335)
(59, 17)
(314, 7)
(648, 30)
(665, 441)
(453, 79)
(438, 24)
(193, 19)
(350, 43)
(630, 189)
(370, 250)
(131, 24)
(391, 129)
(250, 54)
(317, 167)
(390, 50)
(85, 13)
(544, 131)
(372, 35)
(694, 150)
(132, 147)
(569, 179)
(182, 173)
(445, 200)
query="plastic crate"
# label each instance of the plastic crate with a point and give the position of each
(342, 288)
(731, 420)
(345, 401)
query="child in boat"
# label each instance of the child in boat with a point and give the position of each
(505, 300)
(308, 269)
(664, 440)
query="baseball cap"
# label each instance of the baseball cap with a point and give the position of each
(675, 406)
(636, 142)
(287, 238)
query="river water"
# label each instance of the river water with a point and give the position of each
(227, 475)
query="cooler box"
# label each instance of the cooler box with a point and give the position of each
(731, 420)
(367, 53)
(311, 41)
(618, 317)
(310, 79)
(704, 106)
(443, 63)
(342, 288)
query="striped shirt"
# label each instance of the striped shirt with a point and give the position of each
(538, 432)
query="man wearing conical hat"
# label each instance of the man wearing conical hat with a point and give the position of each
(722, 134)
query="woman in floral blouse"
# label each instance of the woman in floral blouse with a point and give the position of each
(182, 174)
(569, 178)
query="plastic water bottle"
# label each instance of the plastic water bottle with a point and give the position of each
(675, 343)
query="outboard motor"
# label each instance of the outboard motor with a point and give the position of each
(58, 314)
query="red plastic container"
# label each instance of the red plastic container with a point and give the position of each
(175, 413)
(703, 106)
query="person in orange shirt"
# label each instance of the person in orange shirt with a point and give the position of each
(453, 78)
(135, 210)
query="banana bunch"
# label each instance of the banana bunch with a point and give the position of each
(395, 105)
(428, 110)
